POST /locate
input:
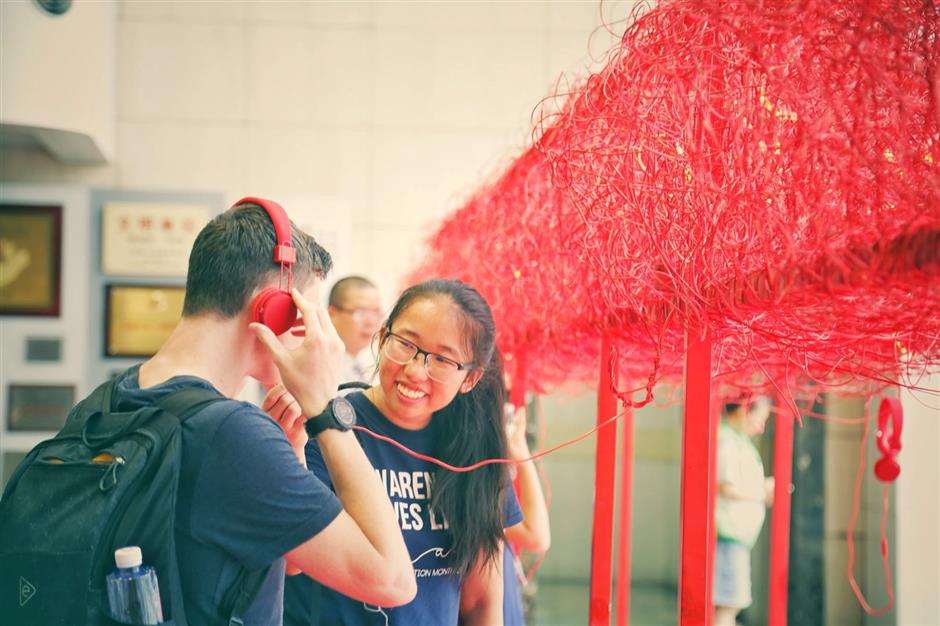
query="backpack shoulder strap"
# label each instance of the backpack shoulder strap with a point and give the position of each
(98, 401)
(184, 403)
(244, 590)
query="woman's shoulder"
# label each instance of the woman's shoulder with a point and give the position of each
(370, 417)
(366, 413)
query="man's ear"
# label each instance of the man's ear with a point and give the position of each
(471, 381)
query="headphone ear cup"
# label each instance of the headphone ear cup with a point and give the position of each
(275, 309)
(887, 469)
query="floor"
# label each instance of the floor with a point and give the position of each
(565, 603)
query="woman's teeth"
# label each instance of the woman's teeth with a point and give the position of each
(410, 393)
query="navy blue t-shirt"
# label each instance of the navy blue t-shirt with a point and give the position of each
(513, 613)
(243, 501)
(409, 482)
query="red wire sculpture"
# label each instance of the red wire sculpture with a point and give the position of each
(767, 169)
(768, 172)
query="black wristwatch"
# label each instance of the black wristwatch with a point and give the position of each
(338, 414)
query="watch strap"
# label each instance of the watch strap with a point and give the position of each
(317, 424)
(327, 419)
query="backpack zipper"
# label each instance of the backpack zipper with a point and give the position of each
(121, 505)
(110, 478)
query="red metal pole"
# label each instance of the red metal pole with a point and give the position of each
(622, 588)
(697, 509)
(604, 471)
(780, 516)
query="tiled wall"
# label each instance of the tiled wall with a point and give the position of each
(401, 109)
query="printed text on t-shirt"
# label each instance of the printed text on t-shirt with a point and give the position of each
(415, 486)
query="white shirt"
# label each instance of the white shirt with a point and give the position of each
(352, 369)
(739, 464)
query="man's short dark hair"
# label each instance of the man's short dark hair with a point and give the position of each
(233, 256)
(343, 285)
(752, 403)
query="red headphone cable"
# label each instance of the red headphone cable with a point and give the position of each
(470, 468)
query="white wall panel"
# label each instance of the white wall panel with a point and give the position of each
(183, 71)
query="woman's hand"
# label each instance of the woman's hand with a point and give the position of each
(533, 533)
(285, 410)
(517, 444)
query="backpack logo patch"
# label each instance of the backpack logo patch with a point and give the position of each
(27, 591)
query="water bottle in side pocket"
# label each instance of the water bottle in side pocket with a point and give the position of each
(133, 591)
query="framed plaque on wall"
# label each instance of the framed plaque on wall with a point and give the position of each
(30, 259)
(139, 318)
(149, 239)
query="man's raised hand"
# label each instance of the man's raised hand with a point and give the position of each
(310, 372)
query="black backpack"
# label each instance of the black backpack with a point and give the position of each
(106, 480)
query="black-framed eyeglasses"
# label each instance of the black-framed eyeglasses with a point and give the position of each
(440, 368)
(362, 315)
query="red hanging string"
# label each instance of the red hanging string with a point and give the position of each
(856, 498)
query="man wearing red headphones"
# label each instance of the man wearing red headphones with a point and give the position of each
(246, 500)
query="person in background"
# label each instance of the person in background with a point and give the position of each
(356, 311)
(743, 495)
(533, 534)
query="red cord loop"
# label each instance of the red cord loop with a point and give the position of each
(890, 423)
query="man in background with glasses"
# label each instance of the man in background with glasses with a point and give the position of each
(356, 311)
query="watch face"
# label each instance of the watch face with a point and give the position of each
(344, 412)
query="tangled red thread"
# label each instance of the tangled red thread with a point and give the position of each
(768, 171)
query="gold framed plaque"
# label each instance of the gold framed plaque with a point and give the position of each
(30, 259)
(139, 318)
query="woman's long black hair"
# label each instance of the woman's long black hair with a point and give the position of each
(467, 430)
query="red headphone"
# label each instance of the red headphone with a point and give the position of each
(889, 442)
(272, 307)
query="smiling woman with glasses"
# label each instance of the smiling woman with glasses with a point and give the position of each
(440, 392)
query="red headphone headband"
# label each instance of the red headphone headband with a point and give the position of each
(275, 307)
(283, 249)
